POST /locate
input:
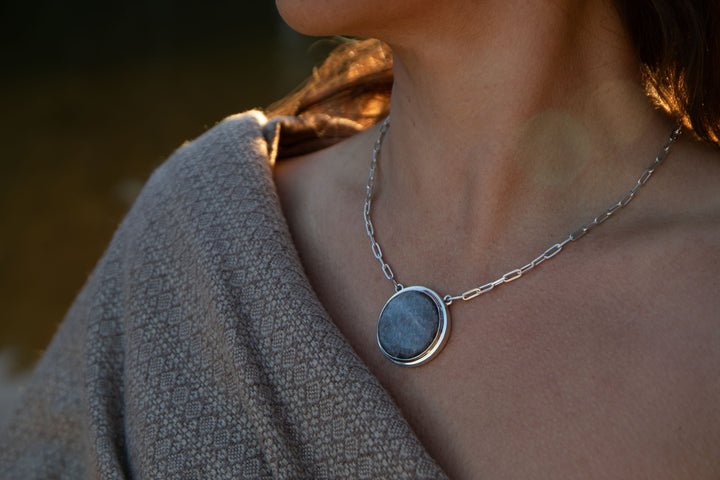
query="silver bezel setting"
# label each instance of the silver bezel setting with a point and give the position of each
(441, 336)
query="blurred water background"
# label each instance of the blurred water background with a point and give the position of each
(94, 96)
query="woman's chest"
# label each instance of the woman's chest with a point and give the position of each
(562, 376)
(561, 389)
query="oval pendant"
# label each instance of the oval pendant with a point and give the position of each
(413, 326)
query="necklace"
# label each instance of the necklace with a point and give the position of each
(414, 324)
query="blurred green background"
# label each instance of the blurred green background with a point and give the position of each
(94, 96)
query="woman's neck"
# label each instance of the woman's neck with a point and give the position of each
(538, 105)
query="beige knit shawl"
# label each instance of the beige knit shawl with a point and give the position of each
(198, 350)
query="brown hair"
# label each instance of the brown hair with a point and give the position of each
(677, 44)
(354, 82)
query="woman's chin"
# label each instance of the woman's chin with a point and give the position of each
(331, 17)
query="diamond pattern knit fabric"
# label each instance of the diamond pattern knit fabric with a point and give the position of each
(197, 349)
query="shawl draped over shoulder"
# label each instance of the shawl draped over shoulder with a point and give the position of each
(197, 349)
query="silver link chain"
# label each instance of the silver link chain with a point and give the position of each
(512, 275)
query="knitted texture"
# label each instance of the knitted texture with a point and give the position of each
(197, 349)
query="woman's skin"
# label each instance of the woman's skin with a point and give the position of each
(513, 124)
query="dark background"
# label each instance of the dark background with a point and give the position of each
(94, 96)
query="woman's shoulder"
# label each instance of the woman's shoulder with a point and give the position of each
(691, 201)
(251, 140)
(678, 247)
(208, 188)
(228, 159)
(235, 140)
